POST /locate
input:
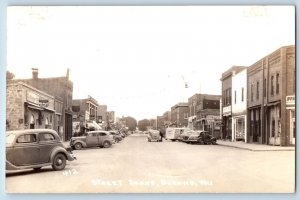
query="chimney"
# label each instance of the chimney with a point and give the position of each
(35, 72)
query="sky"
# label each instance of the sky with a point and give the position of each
(137, 59)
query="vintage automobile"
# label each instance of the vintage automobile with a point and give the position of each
(116, 135)
(153, 136)
(201, 137)
(92, 139)
(35, 148)
(183, 137)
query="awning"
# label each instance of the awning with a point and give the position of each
(33, 106)
(48, 109)
(273, 103)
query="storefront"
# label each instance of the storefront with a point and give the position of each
(255, 125)
(239, 128)
(227, 123)
(274, 123)
(29, 108)
(290, 107)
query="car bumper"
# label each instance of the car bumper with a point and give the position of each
(71, 156)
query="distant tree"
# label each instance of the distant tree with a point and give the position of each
(9, 76)
(143, 124)
(130, 122)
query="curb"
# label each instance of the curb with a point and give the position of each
(249, 149)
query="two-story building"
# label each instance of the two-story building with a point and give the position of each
(239, 106)
(84, 111)
(226, 131)
(179, 114)
(271, 98)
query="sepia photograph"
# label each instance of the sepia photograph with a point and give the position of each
(150, 99)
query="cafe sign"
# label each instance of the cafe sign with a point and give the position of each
(39, 99)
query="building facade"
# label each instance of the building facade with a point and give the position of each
(30, 108)
(179, 114)
(84, 111)
(239, 106)
(60, 88)
(226, 79)
(102, 110)
(271, 98)
(208, 113)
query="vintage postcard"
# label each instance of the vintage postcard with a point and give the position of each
(150, 99)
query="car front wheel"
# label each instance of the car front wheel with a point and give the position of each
(59, 162)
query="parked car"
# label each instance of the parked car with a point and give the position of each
(184, 136)
(92, 139)
(36, 148)
(116, 135)
(153, 136)
(201, 137)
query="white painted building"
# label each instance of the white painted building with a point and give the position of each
(239, 106)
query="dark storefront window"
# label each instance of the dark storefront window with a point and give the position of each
(273, 128)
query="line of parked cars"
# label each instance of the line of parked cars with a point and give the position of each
(37, 148)
(99, 138)
(189, 136)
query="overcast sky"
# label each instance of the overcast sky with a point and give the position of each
(136, 59)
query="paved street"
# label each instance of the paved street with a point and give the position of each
(135, 165)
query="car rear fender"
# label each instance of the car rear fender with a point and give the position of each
(81, 142)
(62, 150)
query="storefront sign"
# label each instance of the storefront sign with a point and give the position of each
(227, 110)
(40, 99)
(290, 100)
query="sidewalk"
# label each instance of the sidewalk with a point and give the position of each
(254, 147)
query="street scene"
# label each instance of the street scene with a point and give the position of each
(151, 99)
(179, 167)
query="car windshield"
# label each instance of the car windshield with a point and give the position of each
(10, 138)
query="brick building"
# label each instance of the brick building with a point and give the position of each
(102, 110)
(30, 108)
(59, 88)
(226, 111)
(179, 114)
(84, 111)
(204, 113)
(271, 98)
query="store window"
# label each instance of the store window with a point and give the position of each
(257, 90)
(277, 83)
(265, 87)
(272, 85)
